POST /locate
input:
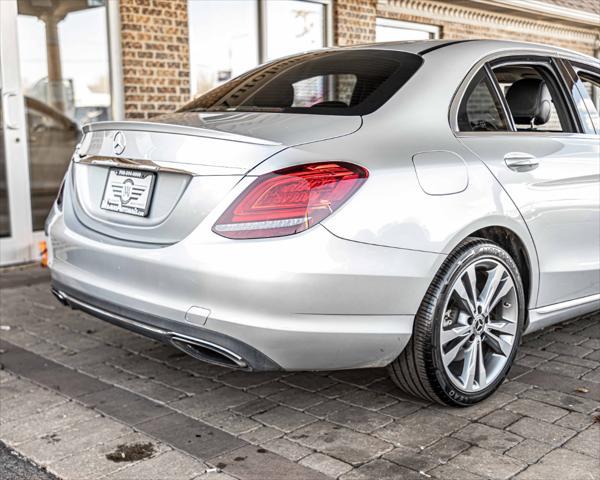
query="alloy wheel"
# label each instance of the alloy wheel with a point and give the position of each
(479, 326)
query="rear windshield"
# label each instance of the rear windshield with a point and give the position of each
(350, 82)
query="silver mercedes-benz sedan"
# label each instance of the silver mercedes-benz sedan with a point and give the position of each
(416, 205)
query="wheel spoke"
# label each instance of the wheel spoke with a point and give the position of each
(481, 372)
(497, 286)
(470, 366)
(453, 333)
(471, 275)
(467, 291)
(450, 356)
(502, 292)
(502, 327)
(500, 346)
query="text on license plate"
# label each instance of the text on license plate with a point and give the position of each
(128, 191)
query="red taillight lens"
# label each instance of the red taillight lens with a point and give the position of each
(291, 200)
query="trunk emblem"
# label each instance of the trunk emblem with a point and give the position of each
(119, 143)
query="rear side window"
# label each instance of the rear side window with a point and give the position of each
(351, 82)
(534, 98)
(480, 110)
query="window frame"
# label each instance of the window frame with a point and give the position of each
(433, 30)
(524, 56)
(574, 67)
(263, 34)
(577, 66)
(551, 65)
(485, 74)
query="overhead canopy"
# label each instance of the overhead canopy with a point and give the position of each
(51, 12)
(54, 8)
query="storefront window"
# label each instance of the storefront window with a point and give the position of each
(222, 50)
(65, 77)
(294, 26)
(64, 58)
(388, 30)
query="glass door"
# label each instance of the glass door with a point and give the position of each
(16, 240)
(65, 81)
(56, 78)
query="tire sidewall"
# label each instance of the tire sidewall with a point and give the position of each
(470, 254)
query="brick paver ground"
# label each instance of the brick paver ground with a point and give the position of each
(74, 388)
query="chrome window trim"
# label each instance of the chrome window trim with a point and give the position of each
(479, 64)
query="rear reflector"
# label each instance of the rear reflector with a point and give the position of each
(291, 200)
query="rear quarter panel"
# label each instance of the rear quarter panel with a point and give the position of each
(392, 208)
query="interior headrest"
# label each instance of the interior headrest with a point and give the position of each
(280, 95)
(529, 101)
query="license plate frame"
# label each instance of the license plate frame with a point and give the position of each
(128, 191)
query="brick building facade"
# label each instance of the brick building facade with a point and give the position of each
(355, 22)
(155, 51)
(155, 55)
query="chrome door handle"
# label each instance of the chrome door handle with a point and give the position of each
(520, 162)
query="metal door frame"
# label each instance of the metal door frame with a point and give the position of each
(19, 246)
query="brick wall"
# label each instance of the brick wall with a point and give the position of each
(477, 23)
(354, 21)
(154, 42)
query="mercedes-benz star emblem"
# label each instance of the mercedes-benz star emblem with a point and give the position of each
(119, 143)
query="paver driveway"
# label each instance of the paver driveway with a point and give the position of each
(73, 389)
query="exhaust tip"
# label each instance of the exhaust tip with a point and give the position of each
(60, 297)
(208, 352)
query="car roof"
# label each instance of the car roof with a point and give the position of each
(473, 46)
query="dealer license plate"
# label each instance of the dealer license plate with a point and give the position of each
(128, 191)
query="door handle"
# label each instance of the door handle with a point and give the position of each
(9, 99)
(520, 162)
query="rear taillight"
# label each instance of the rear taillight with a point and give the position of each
(291, 200)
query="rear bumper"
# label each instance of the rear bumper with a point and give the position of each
(211, 346)
(308, 302)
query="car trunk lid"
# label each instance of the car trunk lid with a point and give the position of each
(195, 158)
(237, 141)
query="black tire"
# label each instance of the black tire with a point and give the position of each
(419, 370)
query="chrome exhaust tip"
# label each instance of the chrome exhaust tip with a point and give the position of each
(208, 352)
(60, 297)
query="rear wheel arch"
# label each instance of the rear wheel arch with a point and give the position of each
(516, 248)
(511, 234)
